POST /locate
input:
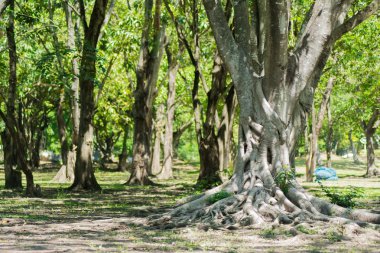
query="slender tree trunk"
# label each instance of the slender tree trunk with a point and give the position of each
(145, 93)
(316, 129)
(75, 73)
(311, 159)
(369, 130)
(62, 130)
(371, 167)
(225, 129)
(167, 170)
(66, 172)
(18, 141)
(329, 135)
(155, 166)
(353, 149)
(84, 171)
(122, 165)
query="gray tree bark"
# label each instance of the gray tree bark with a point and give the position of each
(167, 170)
(14, 128)
(369, 130)
(316, 127)
(145, 93)
(159, 124)
(274, 89)
(330, 133)
(353, 148)
(84, 172)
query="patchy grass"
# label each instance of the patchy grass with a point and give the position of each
(114, 219)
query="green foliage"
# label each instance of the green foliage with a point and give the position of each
(218, 196)
(301, 228)
(345, 198)
(284, 179)
(335, 234)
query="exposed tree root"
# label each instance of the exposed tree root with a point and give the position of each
(256, 205)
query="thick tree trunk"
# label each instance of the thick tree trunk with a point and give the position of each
(84, 171)
(167, 170)
(12, 176)
(272, 113)
(145, 93)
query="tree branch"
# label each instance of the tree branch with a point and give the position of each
(357, 19)
(107, 18)
(3, 5)
(82, 10)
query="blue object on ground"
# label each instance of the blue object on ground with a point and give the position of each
(324, 173)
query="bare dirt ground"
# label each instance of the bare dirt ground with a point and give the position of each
(130, 235)
(114, 220)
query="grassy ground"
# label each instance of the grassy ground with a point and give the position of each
(114, 219)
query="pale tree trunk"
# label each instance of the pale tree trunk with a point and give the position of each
(60, 111)
(66, 172)
(272, 103)
(353, 149)
(329, 138)
(84, 171)
(369, 130)
(167, 170)
(316, 127)
(145, 93)
(155, 166)
(225, 130)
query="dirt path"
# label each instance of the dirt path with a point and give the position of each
(129, 235)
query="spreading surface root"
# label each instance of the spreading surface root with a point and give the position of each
(255, 206)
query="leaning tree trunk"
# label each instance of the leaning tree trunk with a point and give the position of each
(84, 171)
(274, 90)
(145, 93)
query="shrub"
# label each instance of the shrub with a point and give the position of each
(218, 196)
(344, 198)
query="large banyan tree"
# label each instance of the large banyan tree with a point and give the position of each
(275, 86)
